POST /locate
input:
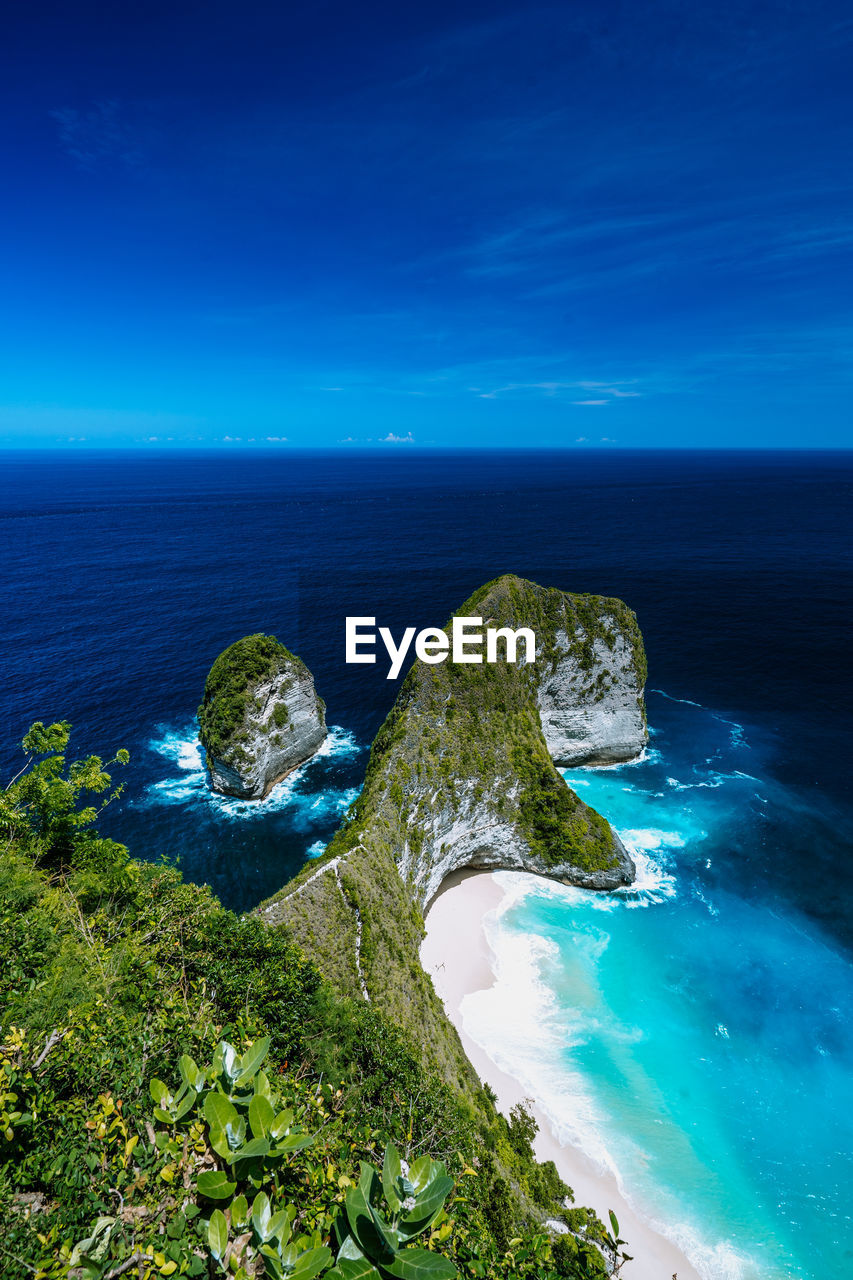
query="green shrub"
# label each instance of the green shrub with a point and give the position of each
(227, 690)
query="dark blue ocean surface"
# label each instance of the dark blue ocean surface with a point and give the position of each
(694, 1033)
(125, 574)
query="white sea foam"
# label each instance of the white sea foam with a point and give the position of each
(648, 755)
(688, 702)
(714, 779)
(338, 742)
(737, 733)
(530, 1033)
(713, 1261)
(188, 784)
(521, 1027)
(652, 884)
(543, 1009)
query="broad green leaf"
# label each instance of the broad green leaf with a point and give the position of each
(363, 1227)
(386, 1231)
(218, 1139)
(272, 1262)
(261, 1216)
(288, 1255)
(158, 1091)
(251, 1060)
(369, 1181)
(218, 1111)
(295, 1142)
(422, 1172)
(614, 1222)
(353, 1269)
(428, 1204)
(239, 1211)
(392, 1173)
(215, 1185)
(350, 1250)
(164, 1117)
(254, 1150)
(261, 1085)
(224, 1059)
(281, 1124)
(420, 1264)
(279, 1227)
(261, 1116)
(310, 1263)
(187, 1104)
(190, 1073)
(236, 1134)
(217, 1234)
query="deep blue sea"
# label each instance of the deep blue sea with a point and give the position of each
(694, 1034)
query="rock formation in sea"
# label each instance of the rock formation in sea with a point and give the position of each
(260, 717)
(462, 775)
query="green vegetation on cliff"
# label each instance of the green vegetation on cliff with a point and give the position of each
(134, 1139)
(461, 757)
(227, 691)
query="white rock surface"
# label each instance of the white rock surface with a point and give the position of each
(271, 751)
(473, 836)
(593, 717)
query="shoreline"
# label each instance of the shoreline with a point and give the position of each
(456, 955)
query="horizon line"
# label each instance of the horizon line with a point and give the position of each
(382, 448)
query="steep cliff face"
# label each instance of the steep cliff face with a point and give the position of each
(474, 747)
(260, 717)
(461, 775)
(594, 714)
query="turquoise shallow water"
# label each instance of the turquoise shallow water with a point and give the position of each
(690, 1033)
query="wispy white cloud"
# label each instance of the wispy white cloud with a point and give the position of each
(100, 134)
(392, 439)
(531, 377)
(558, 389)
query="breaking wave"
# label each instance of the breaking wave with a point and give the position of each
(302, 793)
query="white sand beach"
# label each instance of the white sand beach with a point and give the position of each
(456, 954)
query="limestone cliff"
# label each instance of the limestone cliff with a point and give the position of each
(260, 717)
(461, 775)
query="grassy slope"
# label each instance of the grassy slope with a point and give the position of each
(134, 966)
(110, 968)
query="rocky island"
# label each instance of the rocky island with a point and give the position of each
(462, 775)
(260, 717)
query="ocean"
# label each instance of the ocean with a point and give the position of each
(694, 1033)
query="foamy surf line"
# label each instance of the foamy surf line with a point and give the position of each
(523, 1064)
(189, 783)
(521, 1026)
(528, 1030)
(738, 733)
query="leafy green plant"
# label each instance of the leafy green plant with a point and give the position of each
(259, 1231)
(384, 1213)
(614, 1242)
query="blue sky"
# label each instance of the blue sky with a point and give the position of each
(452, 224)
